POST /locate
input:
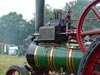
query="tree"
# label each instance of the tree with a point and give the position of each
(47, 13)
(12, 28)
(77, 7)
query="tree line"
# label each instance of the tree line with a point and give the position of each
(14, 29)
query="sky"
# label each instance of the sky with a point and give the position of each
(27, 7)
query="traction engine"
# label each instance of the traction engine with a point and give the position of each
(58, 48)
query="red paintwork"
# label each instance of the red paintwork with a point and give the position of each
(11, 72)
(80, 24)
(90, 32)
(92, 60)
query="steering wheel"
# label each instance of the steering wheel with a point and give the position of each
(92, 6)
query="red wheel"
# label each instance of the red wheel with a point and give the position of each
(17, 70)
(82, 18)
(13, 72)
(90, 64)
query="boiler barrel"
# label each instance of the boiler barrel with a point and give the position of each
(53, 58)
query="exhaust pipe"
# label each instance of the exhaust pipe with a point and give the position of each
(39, 18)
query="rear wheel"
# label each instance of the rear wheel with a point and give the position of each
(90, 64)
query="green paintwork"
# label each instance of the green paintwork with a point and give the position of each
(60, 58)
(77, 57)
(43, 57)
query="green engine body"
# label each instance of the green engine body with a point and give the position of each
(46, 58)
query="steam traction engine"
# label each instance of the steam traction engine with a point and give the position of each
(59, 48)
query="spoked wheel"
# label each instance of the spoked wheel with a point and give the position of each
(90, 64)
(17, 70)
(80, 32)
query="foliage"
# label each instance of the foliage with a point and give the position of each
(77, 7)
(14, 28)
(47, 13)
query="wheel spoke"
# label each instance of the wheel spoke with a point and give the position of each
(98, 61)
(95, 10)
(91, 32)
(96, 72)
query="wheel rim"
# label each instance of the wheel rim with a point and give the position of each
(13, 72)
(91, 6)
(92, 66)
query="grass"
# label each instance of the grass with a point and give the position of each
(9, 60)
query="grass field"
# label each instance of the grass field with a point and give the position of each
(8, 60)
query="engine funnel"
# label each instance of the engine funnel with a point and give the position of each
(39, 14)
